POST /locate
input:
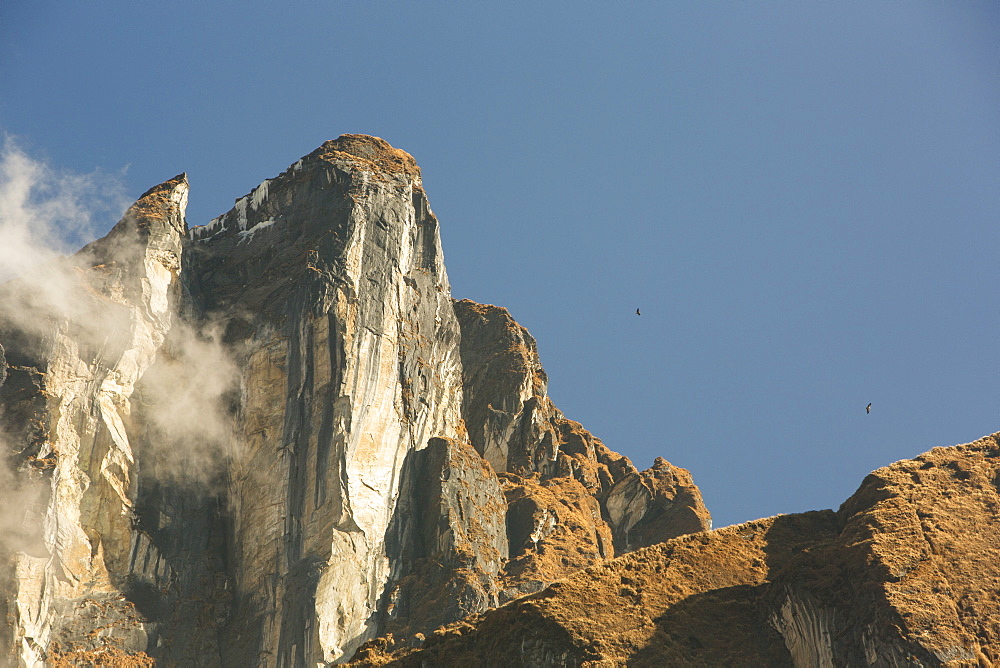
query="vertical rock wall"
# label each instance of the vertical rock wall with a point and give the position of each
(107, 324)
(448, 540)
(276, 441)
(331, 285)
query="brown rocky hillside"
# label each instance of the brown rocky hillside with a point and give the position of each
(905, 573)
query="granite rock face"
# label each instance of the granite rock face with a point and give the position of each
(67, 401)
(449, 541)
(330, 286)
(270, 439)
(275, 440)
(644, 507)
(906, 573)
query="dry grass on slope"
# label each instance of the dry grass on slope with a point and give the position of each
(906, 572)
(628, 609)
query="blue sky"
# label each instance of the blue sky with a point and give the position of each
(802, 198)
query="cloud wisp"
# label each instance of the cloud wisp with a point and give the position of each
(188, 399)
(91, 318)
(46, 213)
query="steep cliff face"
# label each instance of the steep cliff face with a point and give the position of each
(330, 286)
(65, 418)
(905, 573)
(272, 438)
(448, 539)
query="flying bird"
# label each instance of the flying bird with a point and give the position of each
(637, 312)
(868, 408)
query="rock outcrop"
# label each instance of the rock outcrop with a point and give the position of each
(907, 572)
(329, 284)
(572, 501)
(66, 406)
(448, 542)
(272, 438)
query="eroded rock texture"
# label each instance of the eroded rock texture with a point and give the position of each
(572, 501)
(906, 573)
(449, 541)
(66, 410)
(272, 438)
(330, 285)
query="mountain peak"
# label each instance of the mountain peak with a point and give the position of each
(349, 157)
(166, 202)
(369, 153)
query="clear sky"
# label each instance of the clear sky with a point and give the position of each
(803, 198)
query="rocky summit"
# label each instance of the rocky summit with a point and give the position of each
(276, 440)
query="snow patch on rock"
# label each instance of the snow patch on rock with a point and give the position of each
(248, 235)
(259, 194)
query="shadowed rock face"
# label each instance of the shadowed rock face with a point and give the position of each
(647, 507)
(269, 439)
(448, 540)
(905, 573)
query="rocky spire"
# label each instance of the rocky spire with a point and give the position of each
(330, 282)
